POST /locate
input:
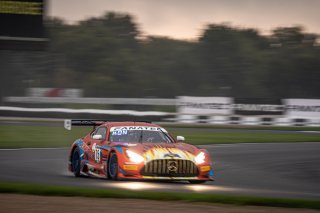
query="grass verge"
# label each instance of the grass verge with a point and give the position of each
(240, 127)
(46, 136)
(48, 190)
(223, 137)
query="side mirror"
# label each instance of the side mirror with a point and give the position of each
(180, 139)
(97, 137)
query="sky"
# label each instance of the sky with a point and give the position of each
(186, 19)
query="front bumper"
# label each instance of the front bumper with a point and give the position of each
(160, 170)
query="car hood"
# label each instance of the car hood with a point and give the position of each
(152, 151)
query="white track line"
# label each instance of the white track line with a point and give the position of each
(17, 149)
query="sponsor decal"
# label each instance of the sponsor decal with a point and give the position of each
(228, 106)
(205, 168)
(257, 106)
(302, 108)
(204, 105)
(130, 167)
(119, 130)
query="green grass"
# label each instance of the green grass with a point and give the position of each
(47, 190)
(45, 136)
(241, 127)
(38, 136)
(244, 137)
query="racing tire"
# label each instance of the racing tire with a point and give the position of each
(197, 181)
(113, 166)
(75, 162)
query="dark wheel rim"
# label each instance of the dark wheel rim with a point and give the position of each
(113, 166)
(76, 163)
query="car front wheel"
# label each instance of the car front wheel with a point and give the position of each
(113, 166)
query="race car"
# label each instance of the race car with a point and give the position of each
(136, 150)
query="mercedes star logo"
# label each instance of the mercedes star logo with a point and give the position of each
(172, 166)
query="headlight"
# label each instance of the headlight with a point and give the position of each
(134, 157)
(200, 158)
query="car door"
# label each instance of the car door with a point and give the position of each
(98, 138)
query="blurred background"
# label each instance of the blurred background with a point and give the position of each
(255, 52)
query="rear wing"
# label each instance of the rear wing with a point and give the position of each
(69, 123)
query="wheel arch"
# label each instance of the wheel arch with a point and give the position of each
(118, 150)
(72, 151)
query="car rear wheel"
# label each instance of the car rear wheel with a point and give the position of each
(75, 162)
(113, 166)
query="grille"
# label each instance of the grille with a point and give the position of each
(170, 168)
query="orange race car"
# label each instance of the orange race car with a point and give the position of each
(136, 150)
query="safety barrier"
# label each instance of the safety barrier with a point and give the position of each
(7, 111)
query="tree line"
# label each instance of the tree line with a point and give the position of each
(108, 56)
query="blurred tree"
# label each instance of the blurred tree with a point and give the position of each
(294, 64)
(166, 67)
(108, 57)
(95, 48)
(233, 60)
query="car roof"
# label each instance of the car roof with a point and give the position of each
(129, 123)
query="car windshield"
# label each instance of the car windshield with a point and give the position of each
(139, 135)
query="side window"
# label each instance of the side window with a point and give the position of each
(100, 131)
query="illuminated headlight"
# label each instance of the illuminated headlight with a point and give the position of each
(134, 157)
(200, 158)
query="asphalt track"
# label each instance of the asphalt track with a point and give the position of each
(273, 169)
